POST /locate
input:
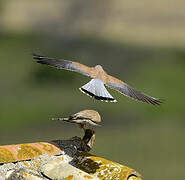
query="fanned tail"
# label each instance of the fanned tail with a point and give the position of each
(96, 89)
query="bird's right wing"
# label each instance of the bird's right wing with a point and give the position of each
(63, 64)
(131, 92)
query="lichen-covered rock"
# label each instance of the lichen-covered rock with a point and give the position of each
(104, 169)
(80, 166)
(57, 169)
(21, 174)
(59, 160)
(19, 152)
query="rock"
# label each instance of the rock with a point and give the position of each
(62, 170)
(60, 160)
(81, 166)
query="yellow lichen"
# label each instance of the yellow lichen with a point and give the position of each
(70, 177)
(103, 168)
(25, 163)
(6, 156)
(37, 165)
(25, 174)
(47, 147)
(27, 152)
(87, 176)
(62, 158)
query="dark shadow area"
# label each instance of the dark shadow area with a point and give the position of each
(86, 164)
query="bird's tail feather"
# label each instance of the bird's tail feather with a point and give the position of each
(95, 88)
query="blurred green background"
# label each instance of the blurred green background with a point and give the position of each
(140, 42)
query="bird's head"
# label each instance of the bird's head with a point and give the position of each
(89, 114)
(99, 67)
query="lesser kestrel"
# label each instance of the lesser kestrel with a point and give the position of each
(84, 118)
(95, 88)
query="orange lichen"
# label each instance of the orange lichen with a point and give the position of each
(26, 151)
(6, 156)
(47, 147)
(70, 177)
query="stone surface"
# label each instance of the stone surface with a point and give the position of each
(60, 160)
(19, 152)
(57, 169)
(81, 165)
(104, 169)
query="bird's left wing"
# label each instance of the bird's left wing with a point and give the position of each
(131, 92)
(63, 64)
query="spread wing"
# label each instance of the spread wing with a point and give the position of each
(63, 64)
(131, 92)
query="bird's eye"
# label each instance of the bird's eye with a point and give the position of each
(72, 117)
(132, 177)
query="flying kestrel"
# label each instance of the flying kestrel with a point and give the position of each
(95, 88)
(84, 118)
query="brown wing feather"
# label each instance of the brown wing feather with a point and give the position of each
(131, 92)
(112, 79)
(63, 64)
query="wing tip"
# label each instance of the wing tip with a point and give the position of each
(158, 102)
(151, 100)
(36, 56)
(41, 59)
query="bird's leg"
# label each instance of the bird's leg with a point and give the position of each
(89, 137)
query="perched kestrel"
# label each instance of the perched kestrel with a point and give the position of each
(95, 88)
(84, 118)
